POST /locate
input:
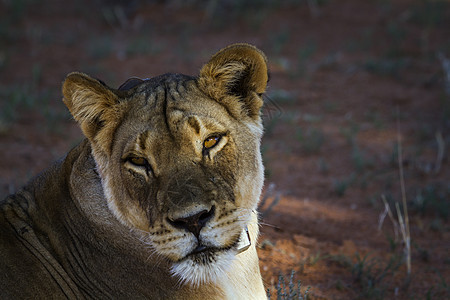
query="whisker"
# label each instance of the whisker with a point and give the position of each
(269, 225)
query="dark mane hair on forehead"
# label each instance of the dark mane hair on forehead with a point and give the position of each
(131, 83)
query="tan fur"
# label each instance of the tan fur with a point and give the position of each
(142, 208)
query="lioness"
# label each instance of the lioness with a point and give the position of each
(159, 201)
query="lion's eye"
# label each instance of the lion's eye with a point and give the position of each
(211, 142)
(138, 161)
(141, 163)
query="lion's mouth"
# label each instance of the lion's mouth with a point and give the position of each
(204, 264)
(200, 248)
(206, 254)
(208, 264)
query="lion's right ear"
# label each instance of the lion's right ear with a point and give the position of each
(236, 77)
(92, 104)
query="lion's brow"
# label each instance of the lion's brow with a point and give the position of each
(142, 140)
(165, 110)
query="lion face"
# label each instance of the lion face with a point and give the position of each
(179, 156)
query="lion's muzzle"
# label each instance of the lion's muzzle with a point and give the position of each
(194, 222)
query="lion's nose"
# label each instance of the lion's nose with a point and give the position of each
(195, 222)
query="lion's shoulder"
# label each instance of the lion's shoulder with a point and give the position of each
(25, 257)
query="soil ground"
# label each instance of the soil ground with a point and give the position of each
(353, 84)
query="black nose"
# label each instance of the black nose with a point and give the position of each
(195, 222)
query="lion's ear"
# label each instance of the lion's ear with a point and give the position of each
(92, 104)
(236, 77)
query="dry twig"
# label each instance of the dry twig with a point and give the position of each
(403, 218)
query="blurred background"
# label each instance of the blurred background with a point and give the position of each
(356, 201)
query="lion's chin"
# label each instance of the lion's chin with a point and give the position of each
(204, 267)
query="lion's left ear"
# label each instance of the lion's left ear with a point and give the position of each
(236, 77)
(94, 106)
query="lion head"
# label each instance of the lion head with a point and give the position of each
(179, 156)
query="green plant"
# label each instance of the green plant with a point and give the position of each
(140, 45)
(387, 66)
(311, 260)
(310, 140)
(360, 160)
(443, 283)
(323, 166)
(279, 40)
(330, 107)
(349, 132)
(364, 41)
(340, 186)
(374, 117)
(100, 46)
(424, 254)
(432, 199)
(14, 97)
(429, 13)
(221, 12)
(288, 290)
(25, 96)
(115, 16)
(369, 273)
(392, 242)
(304, 54)
(315, 258)
(396, 35)
(15, 10)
